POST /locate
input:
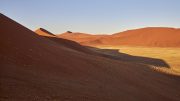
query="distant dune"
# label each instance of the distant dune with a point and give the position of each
(34, 67)
(62, 42)
(80, 37)
(44, 32)
(151, 36)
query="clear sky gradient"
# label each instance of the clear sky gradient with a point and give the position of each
(93, 16)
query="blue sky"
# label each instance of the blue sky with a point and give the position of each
(93, 16)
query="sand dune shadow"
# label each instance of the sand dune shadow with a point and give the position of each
(117, 55)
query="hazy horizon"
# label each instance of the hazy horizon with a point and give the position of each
(92, 16)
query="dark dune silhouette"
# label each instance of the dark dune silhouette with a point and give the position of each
(70, 44)
(36, 68)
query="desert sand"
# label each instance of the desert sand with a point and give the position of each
(150, 36)
(43, 32)
(37, 67)
(168, 54)
(82, 38)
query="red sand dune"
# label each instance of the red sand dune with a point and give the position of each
(35, 68)
(151, 36)
(80, 37)
(62, 42)
(44, 32)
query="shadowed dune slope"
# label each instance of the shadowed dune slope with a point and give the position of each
(62, 42)
(36, 68)
(151, 36)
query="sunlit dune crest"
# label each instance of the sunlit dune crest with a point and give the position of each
(44, 32)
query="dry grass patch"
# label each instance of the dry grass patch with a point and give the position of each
(170, 55)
